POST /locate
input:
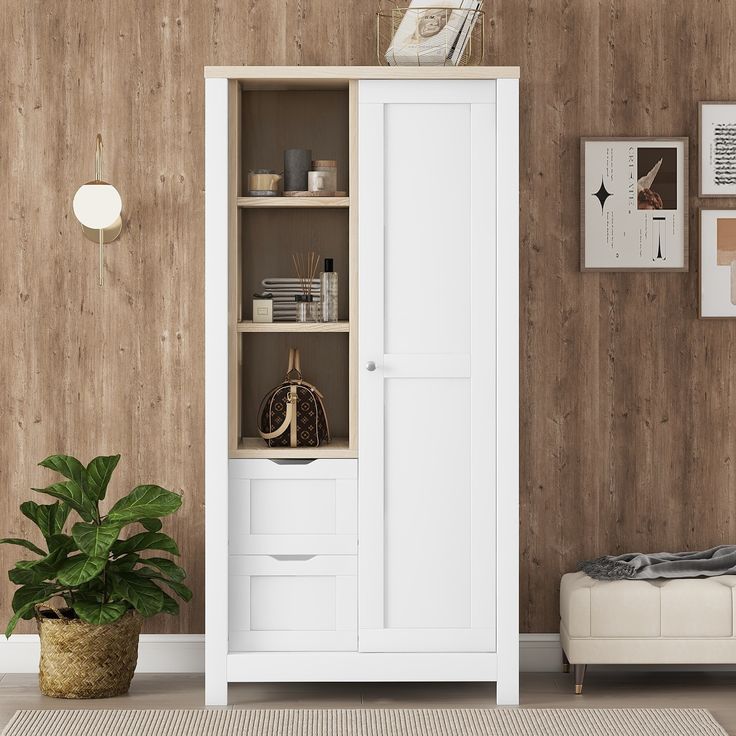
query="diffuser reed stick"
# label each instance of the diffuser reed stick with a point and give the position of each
(305, 265)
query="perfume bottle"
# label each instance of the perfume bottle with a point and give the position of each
(328, 292)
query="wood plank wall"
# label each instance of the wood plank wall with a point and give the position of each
(627, 421)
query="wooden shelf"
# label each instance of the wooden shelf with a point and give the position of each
(256, 448)
(293, 202)
(249, 326)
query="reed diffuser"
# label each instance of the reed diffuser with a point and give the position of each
(305, 266)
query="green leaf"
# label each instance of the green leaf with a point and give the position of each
(80, 569)
(144, 595)
(58, 541)
(32, 510)
(34, 594)
(145, 540)
(22, 613)
(58, 513)
(71, 493)
(67, 466)
(144, 502)
(49, 518)
(99, 613)
(99, 472)
(125, 563)
(179, 588)
(170, 606)
(95, 540)
(167, 567)
(34, 572)
(25, 576)
(93, 590)
(23, 543)
(152, 525)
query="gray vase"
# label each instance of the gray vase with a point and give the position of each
(297, 163)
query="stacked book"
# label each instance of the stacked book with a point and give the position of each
(284, 290)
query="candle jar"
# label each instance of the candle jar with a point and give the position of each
(296, 166)
(327, 169)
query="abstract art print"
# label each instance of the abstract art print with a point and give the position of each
(633, 204)
(718, 263)
(717, 149)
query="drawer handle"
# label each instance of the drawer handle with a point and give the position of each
(293, 558)
(293, 460)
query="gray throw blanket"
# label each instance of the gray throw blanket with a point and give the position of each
(720, 560)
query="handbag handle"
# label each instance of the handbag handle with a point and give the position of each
(289, 420)
(295, 363)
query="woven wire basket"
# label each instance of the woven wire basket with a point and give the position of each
(430, 36)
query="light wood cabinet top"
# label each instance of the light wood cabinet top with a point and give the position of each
(342, 74)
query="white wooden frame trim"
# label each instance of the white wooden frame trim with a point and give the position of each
(216, 332)
(371, 562)
(360, 667)
(507, 391)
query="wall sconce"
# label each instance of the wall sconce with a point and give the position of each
(97, 205)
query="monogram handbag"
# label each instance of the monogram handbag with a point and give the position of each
(293, 414)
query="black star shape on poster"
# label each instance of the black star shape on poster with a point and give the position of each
(602, 194)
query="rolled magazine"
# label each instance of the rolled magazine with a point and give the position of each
(433, 36)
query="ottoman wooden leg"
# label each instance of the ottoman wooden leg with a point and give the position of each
(565, 663)
(579, 677)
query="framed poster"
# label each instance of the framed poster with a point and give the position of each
(633, 204)
(717, 263)
(717, 149)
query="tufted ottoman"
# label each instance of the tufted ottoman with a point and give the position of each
(684, 621)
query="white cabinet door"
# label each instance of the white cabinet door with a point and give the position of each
(427, 366)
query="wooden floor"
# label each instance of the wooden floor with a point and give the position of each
(712, 690)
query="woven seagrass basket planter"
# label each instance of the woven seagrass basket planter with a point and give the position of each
(81, 660)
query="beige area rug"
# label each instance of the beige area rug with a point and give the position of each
(424, 722)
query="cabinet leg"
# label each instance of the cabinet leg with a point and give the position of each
(215, 691)
(565, 662)
(579, 677)
(507, 690)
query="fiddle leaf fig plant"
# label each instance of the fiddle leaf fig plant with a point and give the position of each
(99, 572)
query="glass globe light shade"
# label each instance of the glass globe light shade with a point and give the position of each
(97, 206)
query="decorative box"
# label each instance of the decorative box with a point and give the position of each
(262, 308)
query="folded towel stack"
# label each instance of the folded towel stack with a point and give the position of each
(284, 290)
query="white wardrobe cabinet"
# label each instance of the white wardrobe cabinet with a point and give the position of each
(392, 552)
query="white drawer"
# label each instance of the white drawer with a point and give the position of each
(293, 509)
(294, 603)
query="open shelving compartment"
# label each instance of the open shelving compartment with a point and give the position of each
(265, 119)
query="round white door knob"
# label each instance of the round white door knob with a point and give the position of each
(370, 366)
